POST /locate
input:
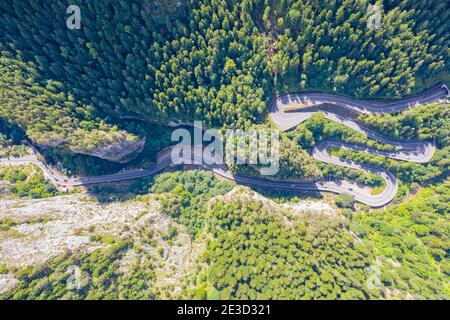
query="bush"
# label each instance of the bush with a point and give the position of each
(345, 200)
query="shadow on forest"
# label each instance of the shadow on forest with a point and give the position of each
(121, 191)
(11, 132)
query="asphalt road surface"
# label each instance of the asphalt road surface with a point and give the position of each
(418, 152)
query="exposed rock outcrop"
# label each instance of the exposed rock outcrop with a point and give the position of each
(121, 152)
(119, 147)
(7, 282)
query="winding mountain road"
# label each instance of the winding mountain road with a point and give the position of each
(286, 113)
(288, 120)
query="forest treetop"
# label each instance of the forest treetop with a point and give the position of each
(222, 61)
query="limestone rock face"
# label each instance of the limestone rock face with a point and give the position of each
(7, 282)
(120, 152)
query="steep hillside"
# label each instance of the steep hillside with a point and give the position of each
(218, 61)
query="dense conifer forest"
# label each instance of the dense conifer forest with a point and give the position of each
(218, 61)
(106, 97)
